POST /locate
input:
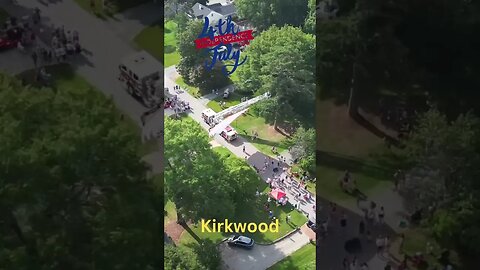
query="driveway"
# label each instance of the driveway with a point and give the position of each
(261, 257)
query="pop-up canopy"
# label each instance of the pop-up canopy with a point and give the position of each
(277, 194)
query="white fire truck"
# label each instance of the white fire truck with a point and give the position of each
(229, 133)
(208, 115)
(142, 75)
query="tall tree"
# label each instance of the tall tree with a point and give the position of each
(443, 179)
(302, 147)
(197, 180)
(73, 191)
(192, 65)
(310, 20)
(194, 181)
(280, 62)
(180, 258)
(264, 14)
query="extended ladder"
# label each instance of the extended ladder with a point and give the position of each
(238, 108)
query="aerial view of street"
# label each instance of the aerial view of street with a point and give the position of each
(398, 127)
(239, 133)
(81, 181)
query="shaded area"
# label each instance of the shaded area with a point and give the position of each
(352, 164)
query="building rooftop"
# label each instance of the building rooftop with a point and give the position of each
(224, 10)
(142, 64)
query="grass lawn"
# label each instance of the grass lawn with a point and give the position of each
(416, 240)
(157, 38)
(194, 91)
(64, 77)
(257, 214)
(346, 145)
(151, 40)
(267, 135)
(170, 213)
(234, 75)
(222, 151)
(3, 16)
(111, 7)
(302, 259)
(160, 41)
(172, 56)
(232, 100)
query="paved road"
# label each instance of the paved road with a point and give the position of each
(104, 49)
(262, 257)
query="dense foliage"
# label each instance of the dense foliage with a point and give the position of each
(73, 191)
(197, 180)
(263, 14)
(445, 159)
(281, 62)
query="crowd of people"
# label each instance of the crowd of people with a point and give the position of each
(23, 31)
(177, 105)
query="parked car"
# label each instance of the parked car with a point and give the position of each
(240, 241)
(312, 225)
(7, 43)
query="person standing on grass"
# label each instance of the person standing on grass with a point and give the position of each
(381, 215)
(345, 263)
(361, 228)
(343, 220)
(35, 58)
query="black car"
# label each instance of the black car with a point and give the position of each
(241, 241)
(312, 225)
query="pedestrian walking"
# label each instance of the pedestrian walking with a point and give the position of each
(379, 243)
(244, 149)
(345, 263)
(343, 220)
(361, 228)
(381, 215)
(353, 264)
(369, 236)
(34, 58)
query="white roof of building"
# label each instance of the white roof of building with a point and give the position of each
(220, 10)
(222, 2)
(209, 112)
(199, 10)
(142, 64)
(214, 16)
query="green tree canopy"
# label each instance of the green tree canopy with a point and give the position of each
(263, 14)
(192, 64)
(302, 146)
(73, 191)
(280, 61)
(445, 166)
(199, 181)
